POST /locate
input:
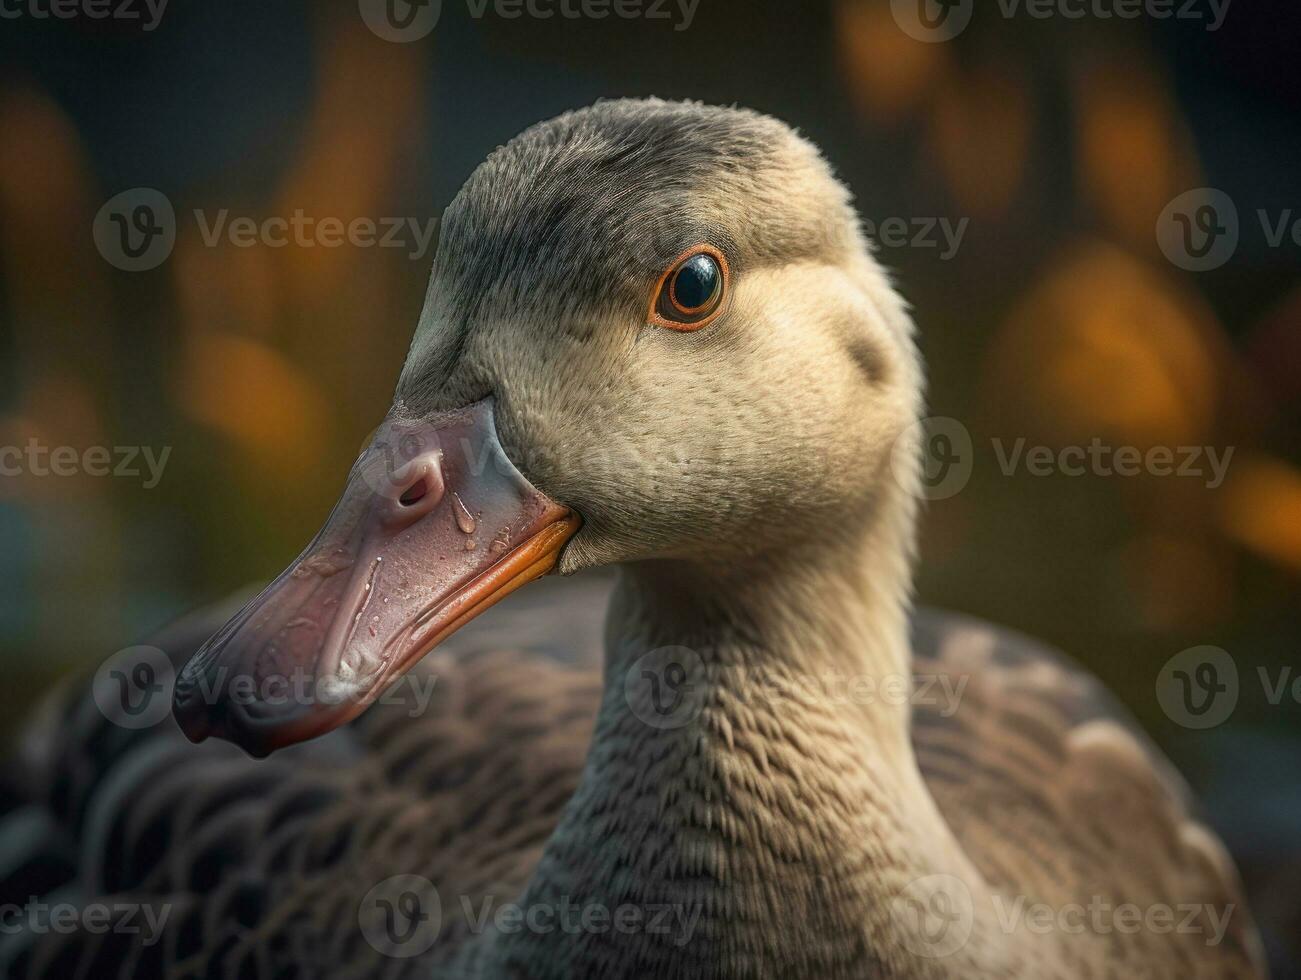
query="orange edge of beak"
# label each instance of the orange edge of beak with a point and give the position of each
(528, 562)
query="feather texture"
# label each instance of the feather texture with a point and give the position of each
(264, 865)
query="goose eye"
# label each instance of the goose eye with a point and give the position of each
(690, 294)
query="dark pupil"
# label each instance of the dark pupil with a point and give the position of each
(696, 282)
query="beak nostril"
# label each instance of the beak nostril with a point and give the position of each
(415, 488)
(415, 493)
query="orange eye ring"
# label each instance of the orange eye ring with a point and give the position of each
(667, 310)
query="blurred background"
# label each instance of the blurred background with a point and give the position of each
(1054, 145)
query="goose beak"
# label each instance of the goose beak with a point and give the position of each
(436, 525)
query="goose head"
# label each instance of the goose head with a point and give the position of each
(654, 332)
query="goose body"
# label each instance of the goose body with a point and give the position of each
(742, 755)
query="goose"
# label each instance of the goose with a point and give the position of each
(657, 357)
